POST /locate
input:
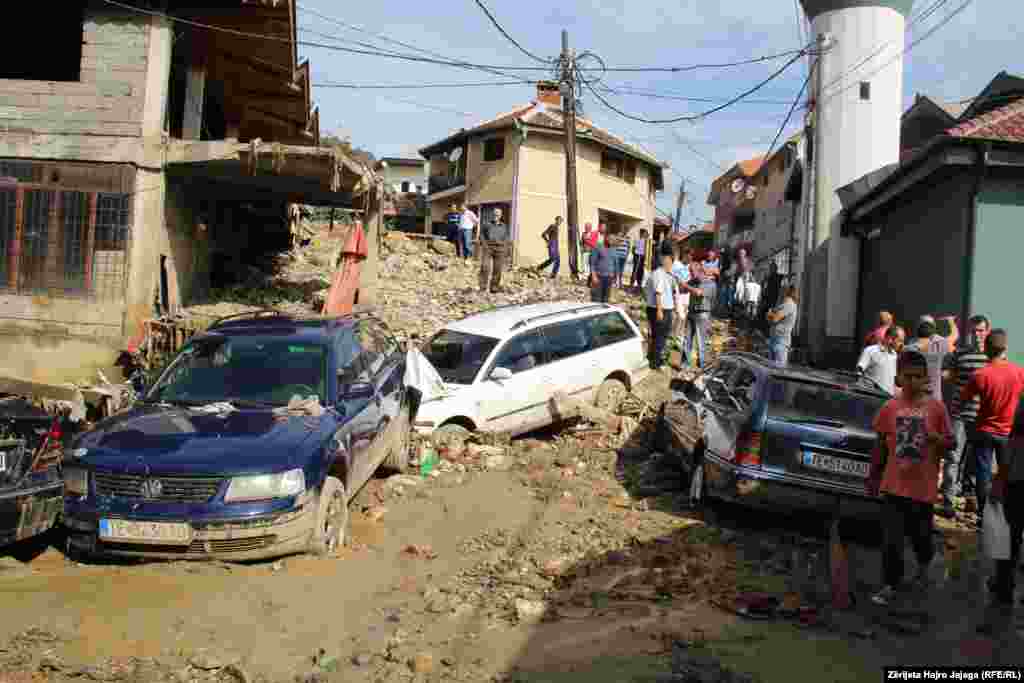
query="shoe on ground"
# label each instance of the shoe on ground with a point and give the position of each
(884, 596)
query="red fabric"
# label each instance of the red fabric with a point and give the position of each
(590, 239)
(999, 385)
(876, 336)
(912, 468)
(356, 244)
(341, 297)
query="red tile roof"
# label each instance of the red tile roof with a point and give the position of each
(751, 166)
(1005, 123)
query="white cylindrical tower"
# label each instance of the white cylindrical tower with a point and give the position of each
(858, 102)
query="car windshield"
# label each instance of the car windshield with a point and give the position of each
(458, 356)
(815, 403)
(248, 370)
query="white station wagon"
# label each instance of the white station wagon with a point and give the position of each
(501, 367)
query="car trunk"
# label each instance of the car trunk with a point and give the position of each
(820, 433)
(23, 427)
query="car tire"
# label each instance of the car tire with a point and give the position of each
(330, 531)
(453, 428)
(610, 394)
(397, 459)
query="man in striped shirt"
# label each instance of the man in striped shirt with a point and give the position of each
(961, 365)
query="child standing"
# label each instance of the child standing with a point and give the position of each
(914, 434)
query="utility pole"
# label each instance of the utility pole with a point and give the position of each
(679, 204)
(568, 87)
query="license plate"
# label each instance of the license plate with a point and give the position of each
(3, 461)
(157, 533)
(830, 463)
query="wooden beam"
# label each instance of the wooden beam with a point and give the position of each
(195, 94)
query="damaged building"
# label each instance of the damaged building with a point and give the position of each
(152, 146)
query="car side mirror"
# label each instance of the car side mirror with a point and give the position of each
(357, 391)
(500, 374)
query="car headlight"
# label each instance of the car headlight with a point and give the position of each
(76, 481)
(266, 486)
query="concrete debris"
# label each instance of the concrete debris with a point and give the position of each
(529, 611)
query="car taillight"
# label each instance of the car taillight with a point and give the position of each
(748, 449)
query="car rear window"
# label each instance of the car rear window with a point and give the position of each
(458, 356)
(796, 400)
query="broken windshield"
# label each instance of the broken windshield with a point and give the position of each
(458, 356)
(250, 371)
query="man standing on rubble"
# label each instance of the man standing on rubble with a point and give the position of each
(468, 221)
(494, 251)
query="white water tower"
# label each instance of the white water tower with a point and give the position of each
(858, 102)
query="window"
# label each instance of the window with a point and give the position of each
(522, 353)
(608, 329)
(458, 356)
(865, 90)
(796, 400)
(567, 339)
(63, 58)
(718, 383)
(405, 186)
(616, 165)
(745, 386)
(494, 149)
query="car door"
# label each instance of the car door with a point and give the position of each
(389, 384)
(519, 403)
(616, 346)
(361, 412)
(723, 412)
(571, 363)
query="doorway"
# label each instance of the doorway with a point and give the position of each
(165, 293)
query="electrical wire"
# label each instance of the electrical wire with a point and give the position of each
(509, 38)
(796, 103)
(697, 67)
(704, 114)
(629, 90)
(418, 86)
(686, 143)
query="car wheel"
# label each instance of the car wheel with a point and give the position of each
(454, 429)
(331, 529)
(610, 395)
(397, 459)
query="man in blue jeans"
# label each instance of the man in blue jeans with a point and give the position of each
(660, 298)
(602, 272)
(783, 320)
(698, 323)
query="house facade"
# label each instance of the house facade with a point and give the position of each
(516, 162)
(405, 187)
(733, 195)
(780, 233)
(940, 233)
(141, 158)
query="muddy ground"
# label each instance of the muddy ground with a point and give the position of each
(567, 556)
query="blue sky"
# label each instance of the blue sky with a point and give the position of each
(954, 63)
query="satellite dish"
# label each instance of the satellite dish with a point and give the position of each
(737, 186)
(456, 154)
(751, 192)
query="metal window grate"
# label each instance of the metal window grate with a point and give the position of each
(74, 208)
(110, 253)
(8, 230)
(34, 245)
(23, 171)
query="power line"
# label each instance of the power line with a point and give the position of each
(796, 103)
(629, 90)
(702, 115)
(509, 38)
(686, 143)
(418, 86)
(696, 67)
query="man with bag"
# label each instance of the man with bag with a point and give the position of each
(1008, 492)
(998, 385)
(914, 433)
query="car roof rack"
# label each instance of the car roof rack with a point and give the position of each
(578, 309)
(255, 315)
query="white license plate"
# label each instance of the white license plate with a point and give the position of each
(157, 533)
(830, 463)
(3, 461)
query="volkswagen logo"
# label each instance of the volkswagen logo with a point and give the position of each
(152, 488)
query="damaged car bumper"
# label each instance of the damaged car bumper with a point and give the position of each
(30, 510)
(251, 536)
(765, 489)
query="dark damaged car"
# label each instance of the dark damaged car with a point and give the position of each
(221, 460)
(31, 487)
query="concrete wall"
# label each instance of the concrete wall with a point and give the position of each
(489, 181)
(100, 118)
(542, 193)
(998, 244)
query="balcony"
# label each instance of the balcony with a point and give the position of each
(440, 183)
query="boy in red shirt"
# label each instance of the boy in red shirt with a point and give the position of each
(998, 386)
(914, 434)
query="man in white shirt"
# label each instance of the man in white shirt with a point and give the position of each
(660, 299)
(467, 222)
(751, 297)
(878, 362)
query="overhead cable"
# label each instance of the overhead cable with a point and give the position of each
(418, 86)
(796, 103)
(509, 38)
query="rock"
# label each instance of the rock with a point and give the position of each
(376, 513)
(442, 247)
(423, 551)
(362, 659)
(554, 568)
(235, 673)
(448, 661)
(530, 610)
(402, 481)
(51, 663)
(208, 660)
(422, 663)
(498, 463)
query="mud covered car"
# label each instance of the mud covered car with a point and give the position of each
(791, 438)
(249, 445)
(31, 487)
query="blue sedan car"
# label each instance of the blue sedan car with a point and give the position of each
(220, 460)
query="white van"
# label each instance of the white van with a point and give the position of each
(501, 367)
